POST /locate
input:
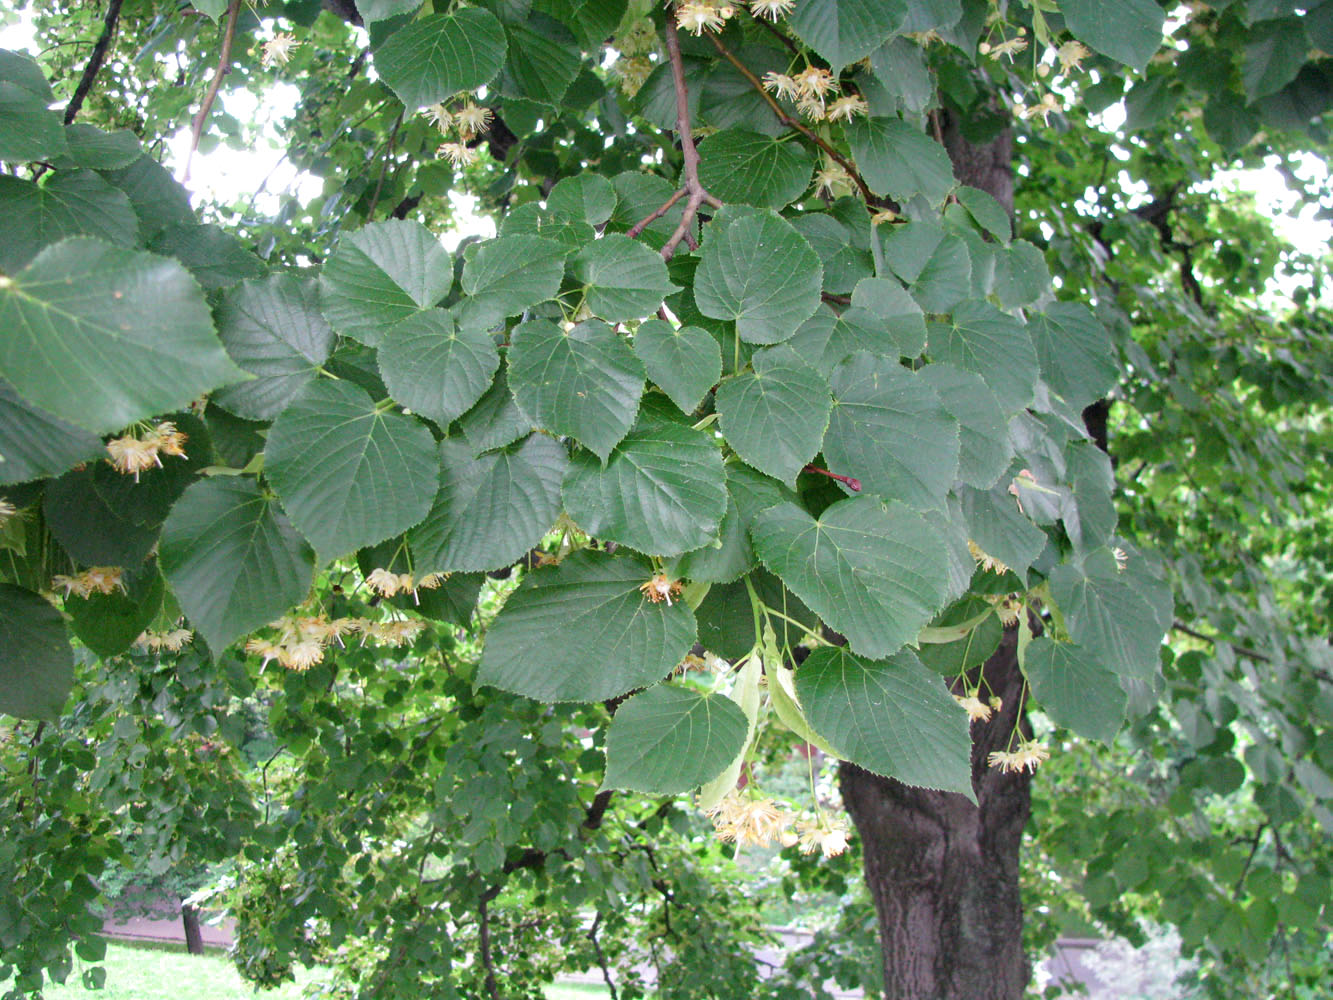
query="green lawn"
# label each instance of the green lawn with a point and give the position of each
(159, 972)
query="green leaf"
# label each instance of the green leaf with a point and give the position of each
(1021, 274)
(845, 263)
(1274, 53)
(435, 366)
(774, 416)
(28, 131)
(380, 274)
(1107, 615)
(109, 623)
(24, 70)
(273, 329)
(901, 316)
(899, 160)
(583, 631)
(1074, 689)
(946, 278)
(843, 31)
(663, 491)
(490, 510)
(743, 167)
(348, 473)
(973, 649)
(669, 740)
(1129, 31)
(437, 56)
(892, 717)
(496, 420)
(685, 362)
(212, 9)
(726, 615)
(216, 258)
(748, 493)
(988, 213)
(72, 203)
(584, 382)
(758, 270)
(138, 325)
(638, 196)
(233, 560)
(1075, 352)
(36, 662)
(504, 276)
(146, 498)
(543, 60)
(586, 198)
(992, 344)
(453, 601)
(889, 430)
(873, 571)
(746, 694)
(994, 523)
(90, 529)
(381, 10)
(983, 433)
(34, 444)
(158, 199)
(625, 279)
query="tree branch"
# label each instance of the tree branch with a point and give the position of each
(697, 193)
(601, 957)
(223, 68)
(656, 213)
(1245, 651)
(94, 61)
(484, 933)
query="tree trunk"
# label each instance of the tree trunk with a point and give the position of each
(194, 937)
(943, 873)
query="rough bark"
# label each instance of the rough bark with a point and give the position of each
(943, 873)
(194, 937)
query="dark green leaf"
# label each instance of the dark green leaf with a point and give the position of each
(902, 317)
(109, 623)
(89, 529)
(72, 203)
(899, 160)
(988, 213)
(983, 435)
(215, 257)
(28, 131)
(625, 279)
(34, 445)
(748, 493)
(1021, 274)
(1108, 616)
(504, 276)
(543, 60)
(1274, 53)
(669, 740)
(158, 199)
(496, 420)
(435, 366)
(587, 198)
(748, 168)
(946, 278)
(146, 498)
(437, 56)
(1075, 352)
(36, 663)
(685, 362)
(992, 344)
(843, 31)
(995, 524)
(583, 631)
(1074, 689)
(1129, 31)
(24, 70)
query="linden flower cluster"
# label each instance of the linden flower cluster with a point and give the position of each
(659, 589)
(278, 50)
(987, 562)
(132, 455)
(172, 641)
(760, 822)
(387, 583)
(302, 640)
(1029, 754)
(469, 121)
(810, 89)
(636, 44)
(94, 580)
(977, 710)
(7, 510)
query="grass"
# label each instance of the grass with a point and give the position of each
(150, 971)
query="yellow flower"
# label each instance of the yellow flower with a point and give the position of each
(699, 16)
(782, 85)
(659, 589)
(815, 82)
(301, 655)
(1049, 102)
(771, 9)
(977, 710)
(94, 580)
(168, 440)
(395, 632)
(833, 180)
(7, 510)
(882, 216)
(457, 153)
(633, 73)
(265, 648)
(1008, 48)
(829, 838)
(472, 120)
(1071, 55)
(747, 820)
(172, 641)
(988, 562)
(847, 108)
(383, 582)
(1121, 558)
(129, 455)
(1029, 754)
(279, 49)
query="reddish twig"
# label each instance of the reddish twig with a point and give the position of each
(852, 484)
(656, 213)
(790, 122)
(698, 194)
(94, 61)
(223, 68)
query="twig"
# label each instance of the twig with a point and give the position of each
(697, 193)
(94, 61)
(852, 484)
(1254, 849)
(384, 167)
(484, 932)
(768, 26)
(601, 958)
(223, 68)
(656, 213)
(1245, 651)
(870, 197)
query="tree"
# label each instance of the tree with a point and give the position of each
(766, 360)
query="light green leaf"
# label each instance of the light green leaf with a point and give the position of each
(437, 56)
(348, 473)
(584, 382)
(889, 430)
(72, 203)
(380, 274)
(212, 9)
(748, 493)
(774, 416)
(892, 717)
(902, 317)
(669, 740)
(36, 662)
(490, 510)
(685, 362)
(496, 420)
(875, 572)
(1108, 616)
(899, 160)
(103, 336)
(34, 445)
(1129, 31)
(274, 330)
(435, 366)
(1075, 352)
(843, 31)
(233, 560)
(745, 692)
(587, 198)
(583, 631)
(1021, 274)
(625, 279)
(758, 270)
(504, 276)
(992, 344)
(28, 130)
(743, 167)
(663, 491)
(988, 213)
(983, 434)
(1074, 689)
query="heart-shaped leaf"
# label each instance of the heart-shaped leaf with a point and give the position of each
(669, 740)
